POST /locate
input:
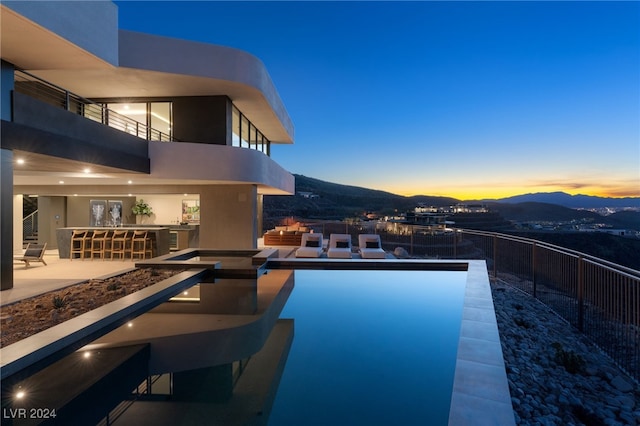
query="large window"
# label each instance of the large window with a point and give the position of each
(148, 120)
(245, 134)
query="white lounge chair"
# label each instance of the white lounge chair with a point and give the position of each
(370, 246)
(339, 246)
(310, 245)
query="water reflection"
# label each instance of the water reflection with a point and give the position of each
(370, 347)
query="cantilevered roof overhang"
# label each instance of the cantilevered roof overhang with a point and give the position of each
(119, 64)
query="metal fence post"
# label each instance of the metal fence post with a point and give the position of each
(580, 294)
(495, 257)
(533, 269)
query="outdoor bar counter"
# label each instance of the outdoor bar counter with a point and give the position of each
(159, 236)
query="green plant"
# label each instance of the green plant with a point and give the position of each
(59, 302)
(141, 208)
(572, 362)
(112, 286)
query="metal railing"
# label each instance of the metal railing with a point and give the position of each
(30, 225)
(44, 91)
(599, 298)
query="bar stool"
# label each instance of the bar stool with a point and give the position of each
(139, 244)
(79, 243)
(99, 243)
(119, 241)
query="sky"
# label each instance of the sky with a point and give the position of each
(471, 100)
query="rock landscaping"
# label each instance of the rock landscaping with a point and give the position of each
(24, 318)
(556, 376)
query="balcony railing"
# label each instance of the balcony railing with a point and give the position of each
(599, 298)
(35, 87)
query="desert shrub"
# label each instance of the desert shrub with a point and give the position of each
(59, 302)
(571, 361)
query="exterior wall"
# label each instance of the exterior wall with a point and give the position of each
(202, 119)
(90, 25)
(6, 219)
(195, 161)
(229, 217)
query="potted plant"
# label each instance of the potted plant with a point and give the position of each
(141, 209)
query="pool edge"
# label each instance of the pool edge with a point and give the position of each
(480, 389)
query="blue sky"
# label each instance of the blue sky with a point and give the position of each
(462, 99)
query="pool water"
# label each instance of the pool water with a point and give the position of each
(371, 348)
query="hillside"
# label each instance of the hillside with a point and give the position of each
(532, 211)
(335, 201)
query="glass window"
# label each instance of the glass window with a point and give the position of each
(235, 127)
(128, 117)
(244, 132)
(160, 121)
(252, 136)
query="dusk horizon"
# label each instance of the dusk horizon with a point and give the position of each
(578, 194)
(468, 100)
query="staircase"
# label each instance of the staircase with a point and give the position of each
(30, 220)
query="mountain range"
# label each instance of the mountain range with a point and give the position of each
(572, 201)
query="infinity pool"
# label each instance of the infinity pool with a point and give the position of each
(371, 347)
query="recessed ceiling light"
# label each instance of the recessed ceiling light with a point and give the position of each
(20, 394)
(87, 170)
(87, 354)
(129, 195)
(20, 161)
(60, 182)
(130, 182)
(75, 195)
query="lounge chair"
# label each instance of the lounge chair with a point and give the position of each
(370, 246)
(339, 246)
(33, 253)
(310, 246)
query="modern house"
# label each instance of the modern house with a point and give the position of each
(90, 111)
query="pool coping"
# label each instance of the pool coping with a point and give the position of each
(480, 389)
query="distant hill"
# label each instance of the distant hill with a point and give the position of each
(534, 211)
(624, 220)
(572, 201)
(336, 201)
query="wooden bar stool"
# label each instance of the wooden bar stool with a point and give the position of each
(139, 244)
(80, 241)
(119, 242)
(99, 243)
